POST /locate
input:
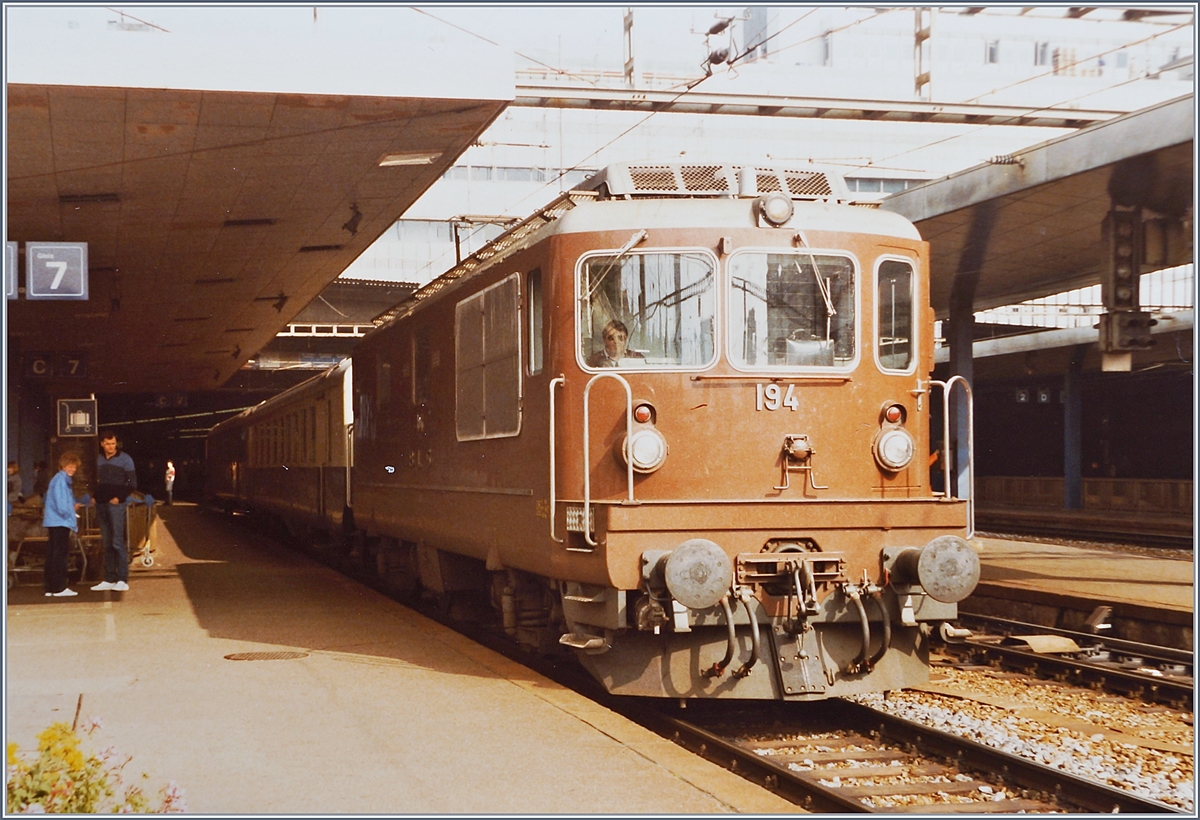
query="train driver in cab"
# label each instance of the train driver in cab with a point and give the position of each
(615, 336)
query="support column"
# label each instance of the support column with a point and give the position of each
(962, 338)
(1073, 431)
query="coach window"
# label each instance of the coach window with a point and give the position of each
(383, 384)
(422, 367)
(793, 309)
(647, 310)
(894, 295)
(487, 334)
(533, 301)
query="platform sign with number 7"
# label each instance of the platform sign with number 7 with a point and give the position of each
(56, 270)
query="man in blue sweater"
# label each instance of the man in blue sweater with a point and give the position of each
(115, 480)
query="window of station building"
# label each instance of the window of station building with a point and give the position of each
(1042, 55)
(894, 328)
(991, 52)
(873, 185)
(488, 363)
(533, 302)
(521, 174)
(486, 173)
(574, 177)
(792, 309)
(423, 230)
(646, 310)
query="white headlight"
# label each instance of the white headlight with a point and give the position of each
(648, 450)
(776, 208)
(894, 448)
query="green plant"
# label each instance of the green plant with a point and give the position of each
(62, 778)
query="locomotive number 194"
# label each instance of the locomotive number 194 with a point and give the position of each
(772, 397)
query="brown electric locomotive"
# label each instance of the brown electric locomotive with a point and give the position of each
(677, 421)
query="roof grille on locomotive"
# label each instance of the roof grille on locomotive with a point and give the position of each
(631, 179)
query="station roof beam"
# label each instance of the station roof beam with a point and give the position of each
(219, 193)
(699, 102)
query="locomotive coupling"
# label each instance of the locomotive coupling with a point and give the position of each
(946, 568)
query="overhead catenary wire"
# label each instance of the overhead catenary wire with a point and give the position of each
(556, 69)
(693, 84)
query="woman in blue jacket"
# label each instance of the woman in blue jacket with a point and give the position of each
(59, 520)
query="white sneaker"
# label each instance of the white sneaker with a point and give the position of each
(66, 593)
(103, 585)
(48, 594)
(120, 586)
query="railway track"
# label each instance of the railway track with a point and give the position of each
(993, 525)
(845, 757)
(837, 756)
(830, 756)
(1153, 673)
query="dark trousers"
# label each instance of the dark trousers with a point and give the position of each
(116, 548)
(55, 575)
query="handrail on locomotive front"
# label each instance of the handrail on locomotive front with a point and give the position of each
(587, 450)
(947, 386)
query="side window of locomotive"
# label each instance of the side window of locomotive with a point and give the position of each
(487, 335)
(894, 295)
(645, 310)
(793, 309)
(533, 299)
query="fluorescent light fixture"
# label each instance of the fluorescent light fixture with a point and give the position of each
(409, 158)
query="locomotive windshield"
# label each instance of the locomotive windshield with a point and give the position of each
(793, 309)
(647, 310)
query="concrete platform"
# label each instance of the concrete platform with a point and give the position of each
(1151, 591)
(388, 712)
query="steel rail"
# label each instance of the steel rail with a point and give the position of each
(1088, 794)
(1166, 654)
(1175, 692)
(996, 524)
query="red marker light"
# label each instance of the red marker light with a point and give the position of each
(642, 413)
(894, 414)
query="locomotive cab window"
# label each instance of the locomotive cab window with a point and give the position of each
(791, 309)
(487, 331)
(647, 310)
(894, 296)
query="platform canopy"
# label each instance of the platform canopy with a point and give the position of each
(1046, 204)
(221, 183)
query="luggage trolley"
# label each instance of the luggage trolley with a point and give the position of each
(139, 529)
(27, 540)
